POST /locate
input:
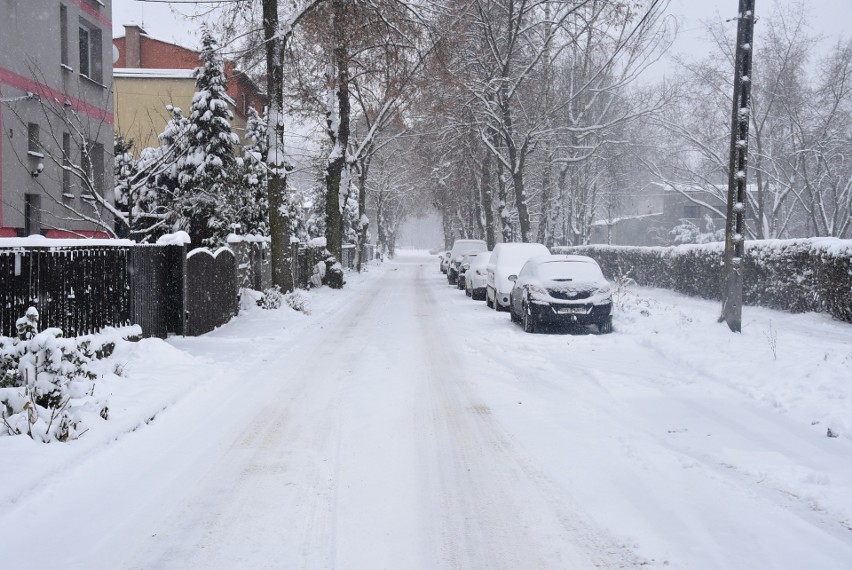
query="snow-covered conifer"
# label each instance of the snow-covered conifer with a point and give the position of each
(203, 171)
(250, 203)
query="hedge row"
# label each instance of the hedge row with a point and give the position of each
(791, 275)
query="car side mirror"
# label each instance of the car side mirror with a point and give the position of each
(513, 278)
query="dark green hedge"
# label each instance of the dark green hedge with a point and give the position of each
(791, 275)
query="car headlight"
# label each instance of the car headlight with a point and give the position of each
(605, 290)
(537, 292)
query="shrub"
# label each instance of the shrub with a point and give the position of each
(271, 298)
(791, 275)
(299, 300)
(43, 377)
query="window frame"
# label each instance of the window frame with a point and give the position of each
(32, 214)
(64, 55)
(90, 48)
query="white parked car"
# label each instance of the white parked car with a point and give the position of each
(468, 258)
(460, 247)
(507, 259)
(561, 290)
(475, 275)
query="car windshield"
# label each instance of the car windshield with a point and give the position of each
(582, 271)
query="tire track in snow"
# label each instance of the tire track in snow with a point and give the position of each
(500, 511)
(271, 496)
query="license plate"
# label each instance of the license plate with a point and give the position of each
(572, 311)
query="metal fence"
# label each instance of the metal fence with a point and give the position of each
(162, 288)
(79, 290)
(157, 289)
(212, 291)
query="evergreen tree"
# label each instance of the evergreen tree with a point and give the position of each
(251, 204)
(204, 195)
(146, 188)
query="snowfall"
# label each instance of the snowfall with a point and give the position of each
(401, 425)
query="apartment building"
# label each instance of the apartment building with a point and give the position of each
(56, 118)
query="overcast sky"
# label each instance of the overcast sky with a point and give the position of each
(830, 18)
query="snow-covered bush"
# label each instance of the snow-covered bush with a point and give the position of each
(688, 232)
(271, 298)
(299, 300)
(45, 378)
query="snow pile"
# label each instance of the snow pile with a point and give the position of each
(177, 238)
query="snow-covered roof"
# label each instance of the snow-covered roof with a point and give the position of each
(614, 221)
(153, 73)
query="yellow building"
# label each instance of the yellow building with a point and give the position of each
(150, 75)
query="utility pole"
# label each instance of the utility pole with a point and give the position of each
(732, 295)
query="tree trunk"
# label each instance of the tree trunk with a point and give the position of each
(502, 208)
(362, 210)
(486, 196)
(279, 222)
(339, 133)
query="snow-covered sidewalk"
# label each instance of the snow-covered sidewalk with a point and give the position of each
(402, 425)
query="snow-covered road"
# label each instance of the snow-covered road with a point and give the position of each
(403, 425)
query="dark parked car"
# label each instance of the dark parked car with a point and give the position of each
(561, 289)
(460, 247)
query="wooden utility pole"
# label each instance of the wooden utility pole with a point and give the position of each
(732, 295)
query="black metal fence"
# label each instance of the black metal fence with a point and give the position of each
(157, 289)
(79, 290)
(212, 291)
(163, 288)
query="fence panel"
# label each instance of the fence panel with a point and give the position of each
(253, 264)
(77, 289)
(156, 296)
(212, 290)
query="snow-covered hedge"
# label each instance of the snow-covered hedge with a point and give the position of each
(792, 275)
(47, 383)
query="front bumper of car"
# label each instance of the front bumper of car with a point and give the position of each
(580, 313)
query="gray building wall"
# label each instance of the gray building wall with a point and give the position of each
(55, 78)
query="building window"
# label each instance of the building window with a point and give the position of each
(63, 35)
(66, 166)
(32, 214)
(692, 212)
(33, 146)
(91, 52)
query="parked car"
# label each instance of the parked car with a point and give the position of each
(461, 246)
(561, 289)
(444, 258)
(467, 258)
(474, 276)
(507, 259)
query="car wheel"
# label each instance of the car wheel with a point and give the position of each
(512, 315)
(487, 299)
(528, 321)
(605, 327)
